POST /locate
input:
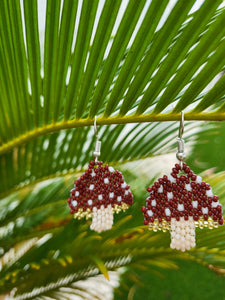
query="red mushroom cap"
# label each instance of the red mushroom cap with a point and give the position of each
(99, 185)
(182, 196)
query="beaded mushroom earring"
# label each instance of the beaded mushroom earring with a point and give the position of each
(181, 202)
(99, 192)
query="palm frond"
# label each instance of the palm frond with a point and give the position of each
(133, 74)
(124, 62)
(120, 81)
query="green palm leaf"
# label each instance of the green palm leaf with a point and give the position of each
(125, 62)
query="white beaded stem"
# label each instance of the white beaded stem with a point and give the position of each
(102, 219)
(182, 234)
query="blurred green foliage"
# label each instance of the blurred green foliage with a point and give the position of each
(209, 150)
(189, 281)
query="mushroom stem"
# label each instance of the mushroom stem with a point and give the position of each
(182, 234)
(102, 218)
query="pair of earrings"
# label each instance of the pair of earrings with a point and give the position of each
(178, 202)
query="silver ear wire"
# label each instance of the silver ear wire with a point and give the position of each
(180, 142)
(97, 152)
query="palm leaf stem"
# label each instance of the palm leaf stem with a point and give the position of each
(207, 116)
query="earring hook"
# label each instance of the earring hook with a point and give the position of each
(97, 152)
(180, 142)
